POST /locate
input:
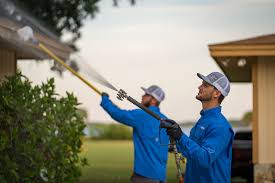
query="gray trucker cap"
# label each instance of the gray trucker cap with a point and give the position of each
(155, 91)
(217, 80)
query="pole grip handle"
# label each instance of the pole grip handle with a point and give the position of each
(167, 123)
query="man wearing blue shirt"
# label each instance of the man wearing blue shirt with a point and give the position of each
(209, 148)
(150, 155)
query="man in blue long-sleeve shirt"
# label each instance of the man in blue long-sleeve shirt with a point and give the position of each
(150, 155)
(208, 149)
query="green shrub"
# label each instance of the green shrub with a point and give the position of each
(117, 132)
(40, 133)
(110, 132)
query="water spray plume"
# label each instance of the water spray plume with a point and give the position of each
(26, 34)
(84, 67)
(19, 38)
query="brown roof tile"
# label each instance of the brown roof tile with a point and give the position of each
(259, 40)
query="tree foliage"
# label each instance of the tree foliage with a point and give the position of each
(247, 118)
(40, 133)
(64, 15)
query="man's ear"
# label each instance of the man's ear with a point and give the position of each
(154, 101)
(217, 94)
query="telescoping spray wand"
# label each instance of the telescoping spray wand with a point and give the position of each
(26, 33)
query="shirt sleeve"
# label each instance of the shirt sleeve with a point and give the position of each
(215, 141)
(127, 117)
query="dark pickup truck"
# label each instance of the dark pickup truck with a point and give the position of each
(242, 165)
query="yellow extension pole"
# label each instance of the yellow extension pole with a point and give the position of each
(52, 55)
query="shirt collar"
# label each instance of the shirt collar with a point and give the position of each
(154, 108)
(211, 111)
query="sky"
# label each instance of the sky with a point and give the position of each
(164, 43)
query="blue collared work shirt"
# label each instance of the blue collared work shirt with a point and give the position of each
(150, 155)
(208, 149)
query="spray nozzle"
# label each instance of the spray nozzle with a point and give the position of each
(26, 34)
(121, 94)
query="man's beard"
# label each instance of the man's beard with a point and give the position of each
(204, 98)
(147, 103)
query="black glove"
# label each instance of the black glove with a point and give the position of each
(105, 94)
(174, 131)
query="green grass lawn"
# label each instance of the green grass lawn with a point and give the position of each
(112, 161)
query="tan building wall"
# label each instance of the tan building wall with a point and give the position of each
(7, 62)
(263, 76)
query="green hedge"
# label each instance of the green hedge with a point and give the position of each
(110, 132)
(40, 133)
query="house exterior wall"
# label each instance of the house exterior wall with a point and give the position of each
(7, 62)
(263, 77)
